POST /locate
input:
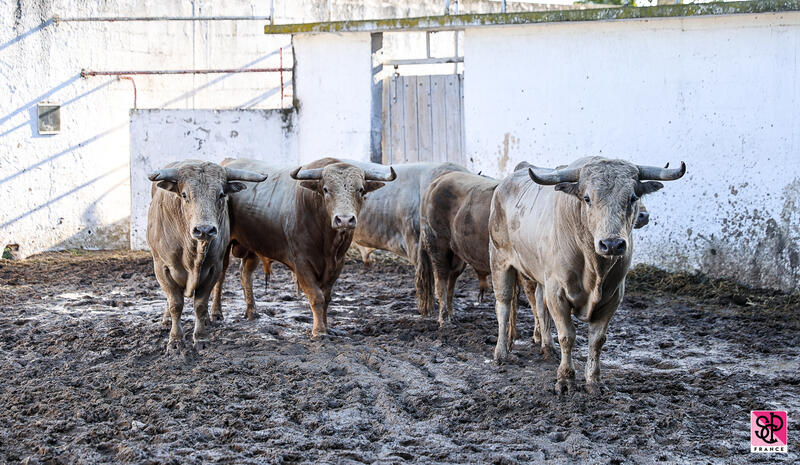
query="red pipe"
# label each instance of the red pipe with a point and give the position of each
(134, 88)
(87, 73)
(281, 65)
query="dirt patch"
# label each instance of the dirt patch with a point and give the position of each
(85, 378)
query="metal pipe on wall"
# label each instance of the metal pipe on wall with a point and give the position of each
(58, 19)
(87, 73)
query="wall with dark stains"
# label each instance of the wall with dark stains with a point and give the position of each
(73, 189)
(720, 93)
(159, 137)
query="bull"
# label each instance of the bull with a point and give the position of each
(574, 242)
(389, 218)
(454, 233)
(188, 233)
(304, 218)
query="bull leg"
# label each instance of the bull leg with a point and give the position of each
(326, 294)
(483, 286)
(365, 253)
(247, 267)
(200, 335)
(266, 265)
(561, 313)
(216, 307)
(504, 282)
(174, 307)
(543, 323)
(316, 300)
(597, 337)
(458, 268)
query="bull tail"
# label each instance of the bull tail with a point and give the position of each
(423, 278)
(512, 317)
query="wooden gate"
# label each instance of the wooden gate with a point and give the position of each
(423, 119)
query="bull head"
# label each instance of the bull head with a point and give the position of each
(203, 188)
(609, 193)
(343, 187)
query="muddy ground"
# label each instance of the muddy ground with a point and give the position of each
(84, 377)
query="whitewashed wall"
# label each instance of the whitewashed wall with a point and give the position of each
(72, 190)
(334, 91)
(721, 93)
(159, 137)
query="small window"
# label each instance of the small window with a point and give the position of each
(49, 118)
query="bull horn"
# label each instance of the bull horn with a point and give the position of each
(371, 174)
(661, 174)
(166, 174)
(548, 177)
(302, 175)
(244, 175)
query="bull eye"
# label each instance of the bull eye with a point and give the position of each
(634, 198)
(324, 189)
(185, 197)
(360, 191)
(221, 195)
(587, 199)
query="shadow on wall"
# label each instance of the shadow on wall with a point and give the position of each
(25, 34)
(93, 232)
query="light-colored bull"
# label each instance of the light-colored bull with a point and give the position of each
(389, 218)
(188, 233)
(574, 242)
(303, 218)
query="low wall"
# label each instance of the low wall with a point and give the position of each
(158, 137)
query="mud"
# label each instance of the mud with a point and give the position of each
(84, 377)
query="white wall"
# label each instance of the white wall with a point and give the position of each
(158, 137)
(334, 91)
(72, 190)
(721, 93)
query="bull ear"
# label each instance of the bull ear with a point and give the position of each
(234, 186)
(644, 188)
(370, 186)
(312, 185)
(171, 186)
(567, 187)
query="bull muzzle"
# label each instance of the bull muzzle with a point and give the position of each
(204, 232)
(612, 247)
(344, 222)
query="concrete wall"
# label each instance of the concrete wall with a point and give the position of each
(72, 190)
(721, 93)
(158, 137)
(334, 90)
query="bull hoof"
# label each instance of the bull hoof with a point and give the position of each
(596, 388)
(480, 297)
(175, 347)
(166, 322)
(252, 315)
(548, 352)
(216, 317)
(319, 335)
(500, 354)
(537, 338)
(565, 386)
(201, 344)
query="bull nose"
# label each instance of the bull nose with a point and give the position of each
(344, 221)
(612, 246)
(204, 232)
